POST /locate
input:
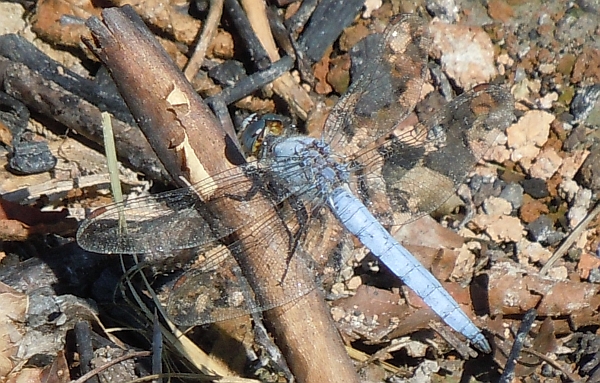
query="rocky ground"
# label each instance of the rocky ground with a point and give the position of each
(531, 240)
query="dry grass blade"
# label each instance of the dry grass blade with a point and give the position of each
(562, 250)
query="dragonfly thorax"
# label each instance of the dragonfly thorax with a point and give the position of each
(305, 165)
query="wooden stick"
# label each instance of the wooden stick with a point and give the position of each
(189, 141)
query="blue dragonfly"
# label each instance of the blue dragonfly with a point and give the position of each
(365, 169)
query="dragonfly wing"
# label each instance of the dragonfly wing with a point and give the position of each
(209, 295)
(217, 290)
(173, 220)
(388, 78)
(416, 169)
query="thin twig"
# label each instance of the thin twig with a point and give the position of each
(99, 369)
(208, 33)
(562, 250)
(254, 82)
(554, 364)
(509, 369)
(258, 53)
(285, 86)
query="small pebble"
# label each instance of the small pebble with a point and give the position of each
(540, 229)
(535, 187)
(513, 193)
(594, 276)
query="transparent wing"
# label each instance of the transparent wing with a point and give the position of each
(173, 220)
(415, 169)
(209, 295)
(216, 289)
(389, 71)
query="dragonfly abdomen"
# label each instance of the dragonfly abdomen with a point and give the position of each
(357, 219)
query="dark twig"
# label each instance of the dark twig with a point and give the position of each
(511, 362)
(290, 46)
(254, 82)
(258, 54)
(84, 348)
(18, 50)
(157, 348)
(322, 29)
(219, 108)
(297, 21)
(280, 32)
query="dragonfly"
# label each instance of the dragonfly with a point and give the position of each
(365, 169)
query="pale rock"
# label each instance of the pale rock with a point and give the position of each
(505, 59)
(523, 88)
(583, 198)
(547, 68)
(520, 90)
(443, 9)
(497, 206)
(503, 228)
(548, 100)
(370, 6)
(532, 128)
(581, 204)
(337, 313)
(545, 164)
(346, 273)
(354, 283)
(571, 164)
(568, 189)
(485, 171)
(582, 242)
(424, 371)
(466, 53)
(338, 289)
(468, 233)
(559, 273)
(576, 214)
(498, 153)
(534, 251)
(425, 90)
(464, 265)
(13, 19)
(535, 85)
(529, 134)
